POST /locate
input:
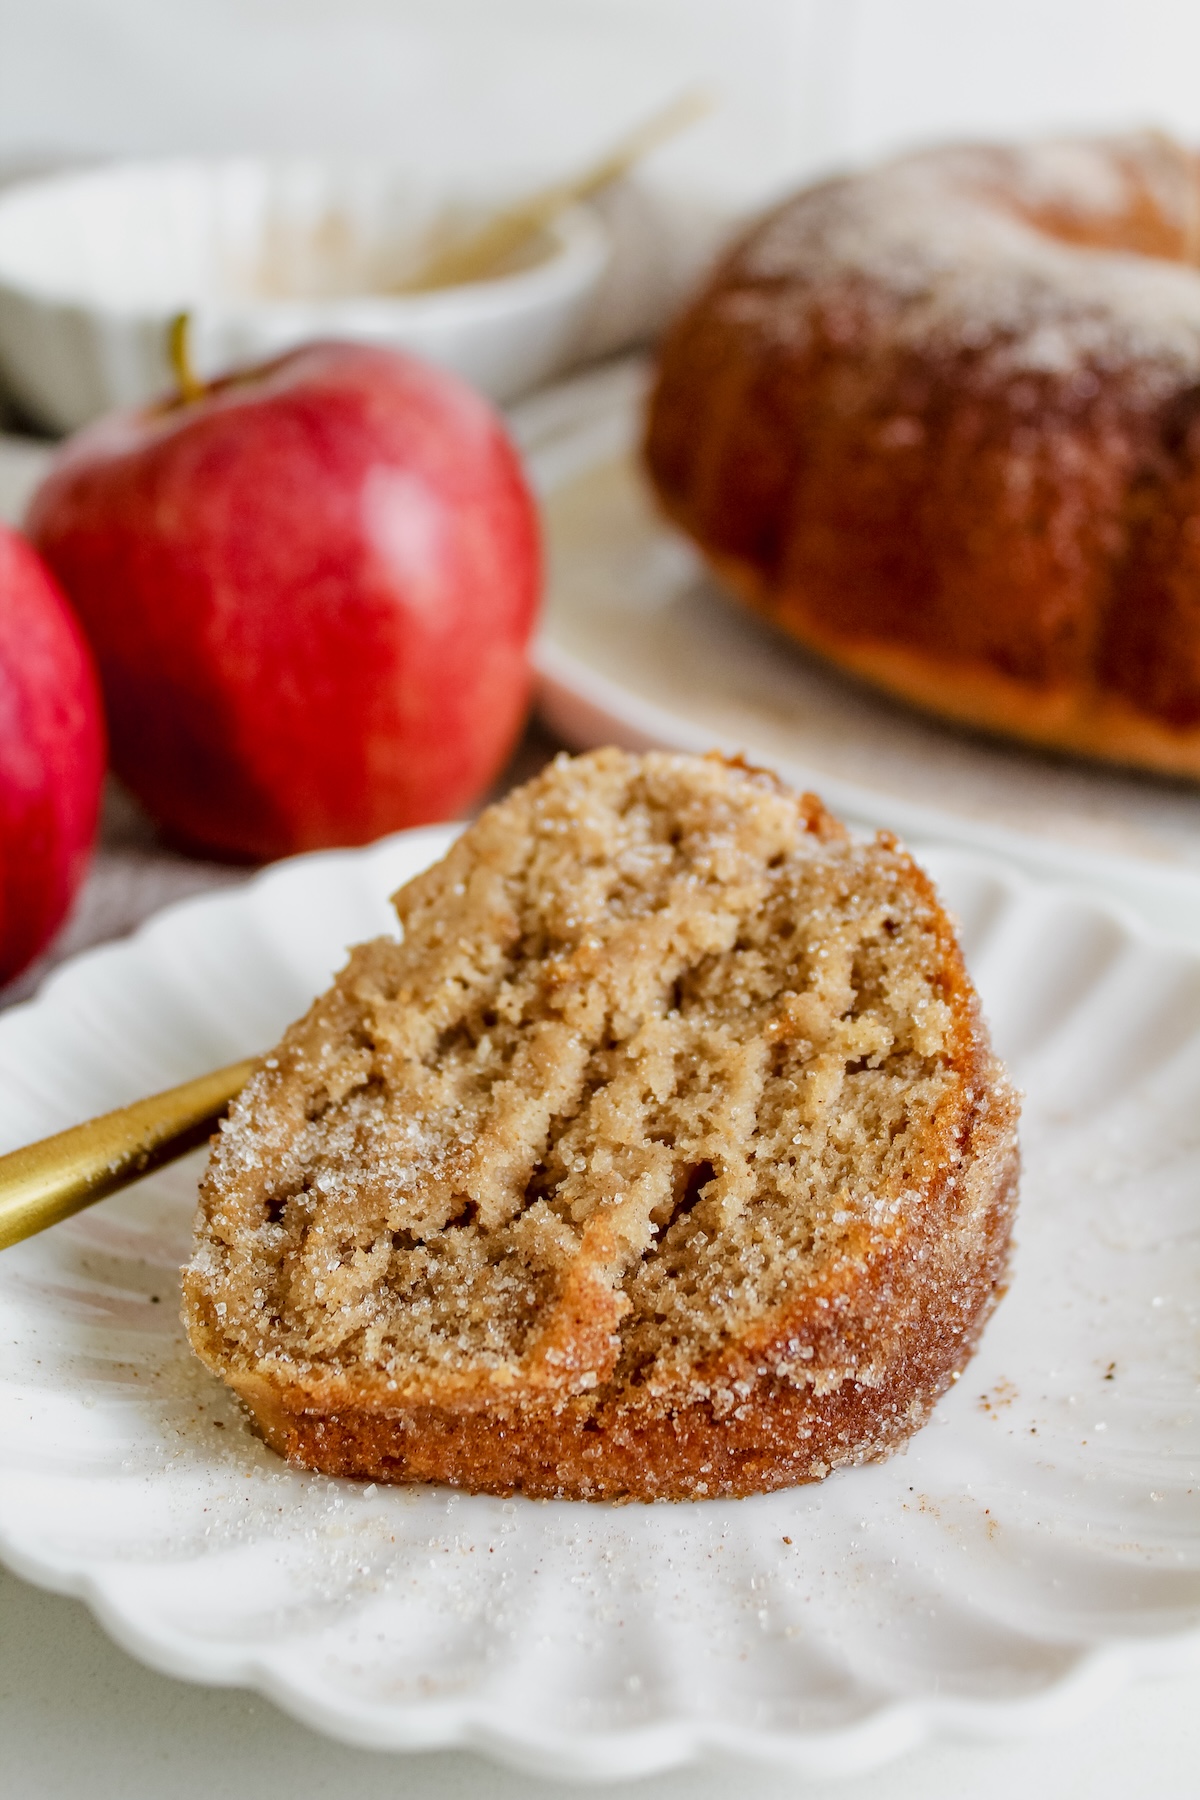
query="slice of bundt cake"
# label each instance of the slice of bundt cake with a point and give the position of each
(664, 1155)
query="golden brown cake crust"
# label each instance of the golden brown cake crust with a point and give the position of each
(941, 422)
(777, 1436)
(666, 1157)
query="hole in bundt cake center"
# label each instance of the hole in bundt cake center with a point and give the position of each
(1156, 216)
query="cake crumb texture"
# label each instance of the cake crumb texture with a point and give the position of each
(662, 1154)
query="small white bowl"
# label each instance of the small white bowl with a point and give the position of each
(265, 255)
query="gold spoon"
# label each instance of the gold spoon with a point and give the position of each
(60, 1175)
(483, 252)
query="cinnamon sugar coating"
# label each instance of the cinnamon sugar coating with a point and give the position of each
(663, 1155)
(941, 422)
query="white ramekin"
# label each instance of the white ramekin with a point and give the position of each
(265, 255)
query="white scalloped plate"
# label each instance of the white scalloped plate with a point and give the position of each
(1037, 1544)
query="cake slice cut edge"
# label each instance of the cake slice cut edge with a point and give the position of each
(662, 1155)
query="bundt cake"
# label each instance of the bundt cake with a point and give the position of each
(941, 422)
(662, 1156)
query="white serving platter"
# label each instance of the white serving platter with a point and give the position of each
(1036, 1546)
(640, 646)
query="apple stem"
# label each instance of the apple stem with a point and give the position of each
(179, 350)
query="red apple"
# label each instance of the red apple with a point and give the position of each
(51, 755)
(310, 590)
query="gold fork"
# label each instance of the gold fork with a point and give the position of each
(60, 1175)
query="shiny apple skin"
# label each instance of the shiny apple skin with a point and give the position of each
(310, 595)
(51, 755)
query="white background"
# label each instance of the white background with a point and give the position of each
(542, 81)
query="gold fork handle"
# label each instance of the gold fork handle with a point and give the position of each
(50, 1180)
